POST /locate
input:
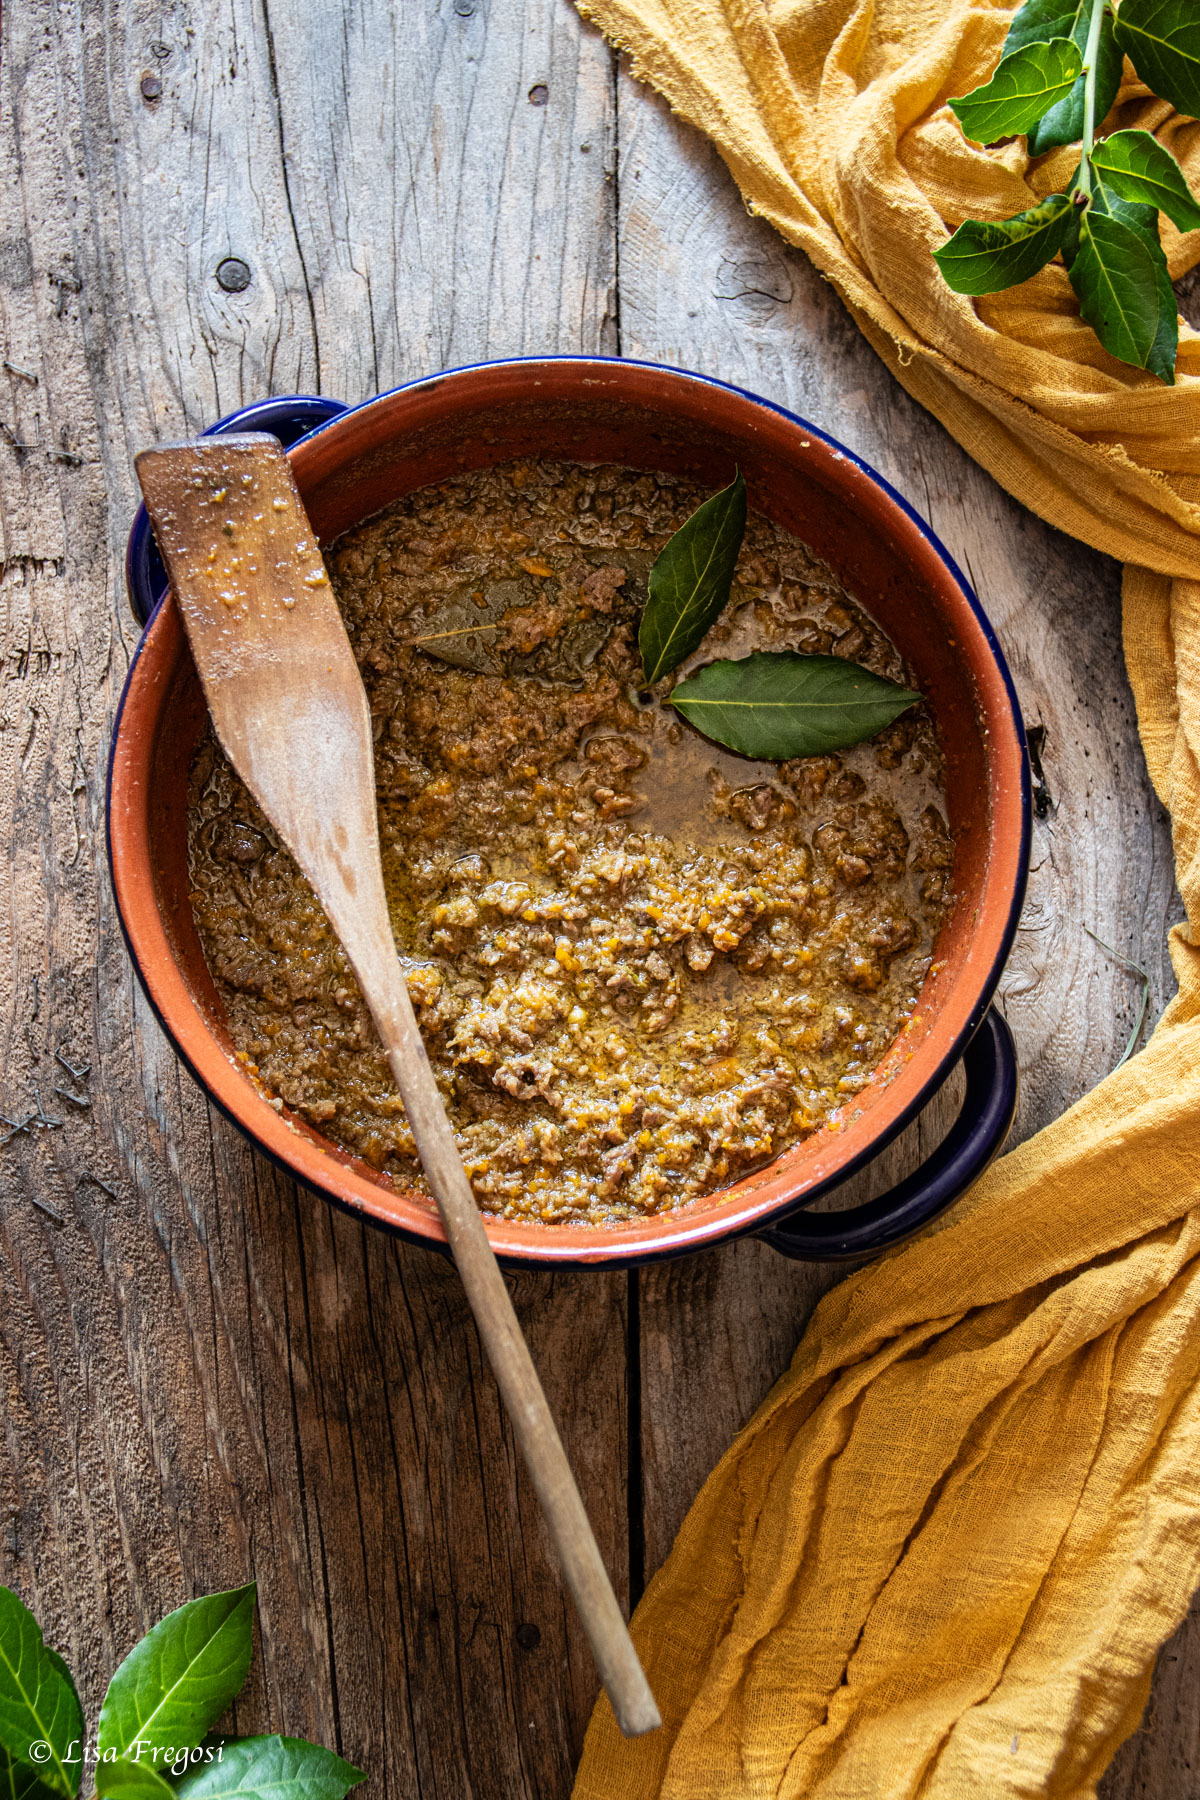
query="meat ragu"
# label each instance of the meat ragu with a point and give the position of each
(642, 965)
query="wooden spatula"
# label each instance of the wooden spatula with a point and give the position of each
(290, 710)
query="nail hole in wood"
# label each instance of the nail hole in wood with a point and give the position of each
(233, 274)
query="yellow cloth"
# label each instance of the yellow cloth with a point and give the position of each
(940, 1559)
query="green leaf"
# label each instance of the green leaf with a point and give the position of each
(984, 256)
(1115, 277)
(140, 1780)
(1144, 220)
(1137, 167)
(38, 1702)
(1063, 122)
(1040, 21)
(779, 704)
(690, 581)
(1026, 83)
(18, 1781)
(271, 1768)
(1161, 38)
(178, 1680)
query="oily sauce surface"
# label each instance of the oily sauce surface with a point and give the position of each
(642, 965)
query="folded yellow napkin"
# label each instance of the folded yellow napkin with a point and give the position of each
(940, 1559)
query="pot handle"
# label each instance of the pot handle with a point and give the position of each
(990, 1100)
(289, 418)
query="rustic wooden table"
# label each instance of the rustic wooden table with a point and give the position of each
(207, 1373)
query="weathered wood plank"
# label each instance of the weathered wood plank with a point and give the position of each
(453, 179)
(707, 287)
(209, 1374)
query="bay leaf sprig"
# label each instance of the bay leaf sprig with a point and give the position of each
(152, 1741)
(1056, 81)
(776, 704)
(690, 581)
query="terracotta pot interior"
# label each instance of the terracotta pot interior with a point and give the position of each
(420, 436)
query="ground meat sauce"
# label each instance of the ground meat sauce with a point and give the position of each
(642, 965)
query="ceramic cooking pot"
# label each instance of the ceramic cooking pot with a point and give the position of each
(599, 410)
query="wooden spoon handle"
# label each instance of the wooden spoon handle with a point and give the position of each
(290, 710)
(622, 1674)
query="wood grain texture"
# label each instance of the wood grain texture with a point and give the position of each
(207, 1372)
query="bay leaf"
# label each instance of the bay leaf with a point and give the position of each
(985, 255)
(777, 704)
(1161, 38)
(38, 1705)
(1137, 167)
(1115, 274)
(690, 581)
(21, 1781)
(177, 1681)
(1038, 22)
(1026, 84)
(476, 633)
(463, 630)
(142, 1779)
(270, 1768)
(1143, 219)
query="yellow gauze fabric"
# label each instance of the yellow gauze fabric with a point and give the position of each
(940, 1559)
